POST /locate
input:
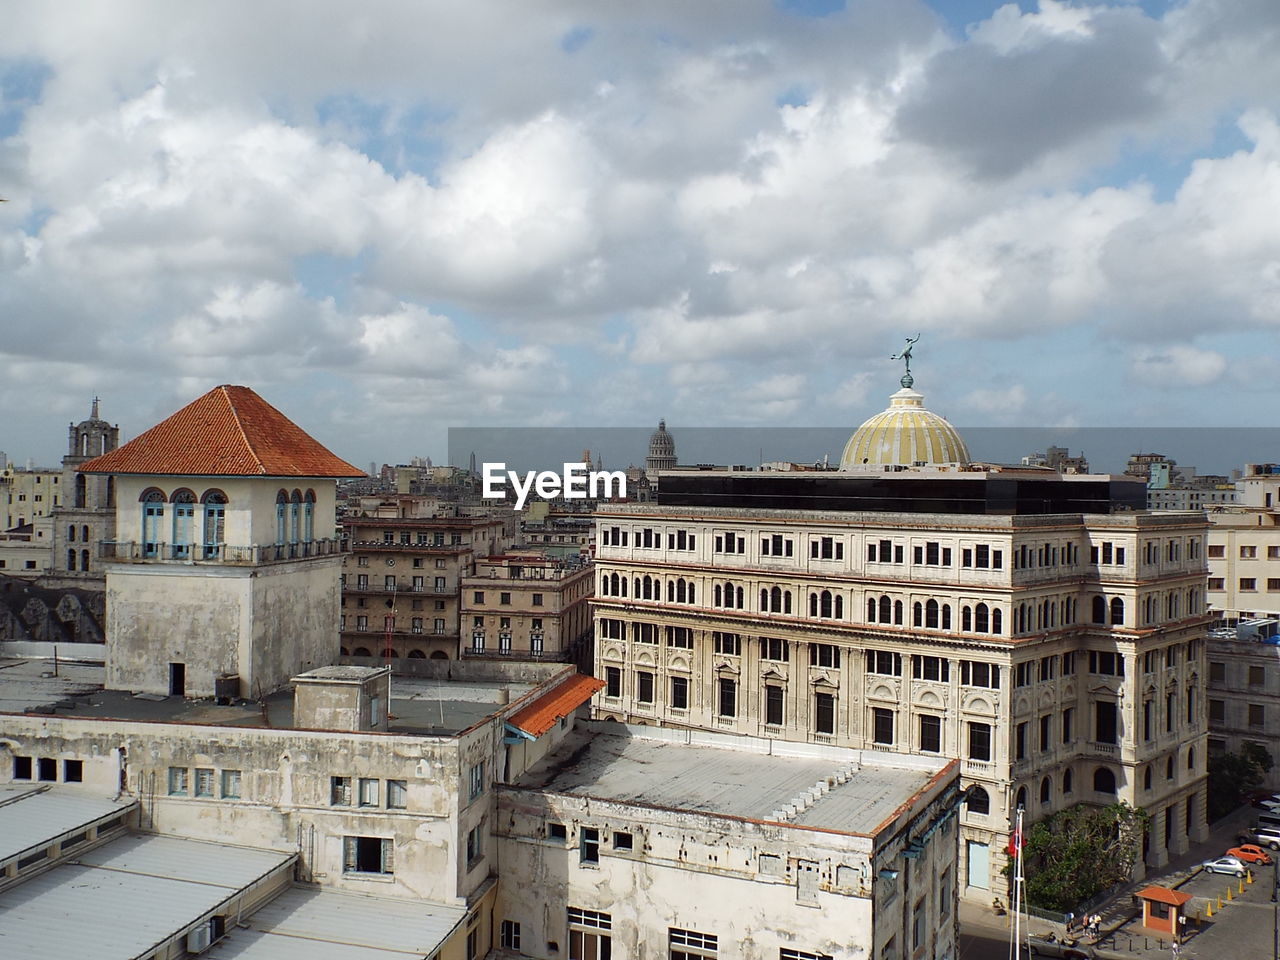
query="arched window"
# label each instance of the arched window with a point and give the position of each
(1117, 610)
(786, 601)
(839, 607)
(153, 501)
(978, 800)
(917, 614)
(1146, 777)
(417, 655)
(680, 592)
(825, 604)
(71, 560)
(184, 514)
(1191, 758)
(360, 652)
(389, 653)
(84, 533)
(997, 620)
(1020, 801)
(690, 592)
(309, 516)
(215, 522)
(931, 614)
(342, 652)
(1099, 610)
(1046, 790)
(886, 610)
(71, 533)
(1104, 781)
(295, 516)
(1066, 782)
(981, 619)
(966, 619)
(1168, 768)
(84, 561)
(80, 490)
(813, 604)
(438, 655)
(871, 609)
(897, 612)
(946, 616)
(717, 593)
(282, 516)
(764, 599)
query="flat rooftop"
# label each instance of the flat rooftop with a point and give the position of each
(122, 899)
(34, 815)
(847, 791)
(419, 705)
(307, 924)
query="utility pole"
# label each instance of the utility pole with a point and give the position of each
(1275, 888)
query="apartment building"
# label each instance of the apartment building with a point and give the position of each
(527, 606)
(28, 495)
(1037, 627)
(402, 581)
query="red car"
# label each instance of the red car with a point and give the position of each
(1249, 853)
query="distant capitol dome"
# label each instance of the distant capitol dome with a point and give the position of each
(662, 449)
(904, 434)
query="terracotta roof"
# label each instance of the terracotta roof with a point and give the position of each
(1175, 898)
(541, 715)
(229, 432)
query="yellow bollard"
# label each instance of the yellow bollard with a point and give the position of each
(1248, 876)
(1208, 910)
(1241, 890)
(1219, 903)
(1229, 896)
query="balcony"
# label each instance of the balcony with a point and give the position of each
(221, 554)
(1105, 749)
(547, 656)
(382, 588)
(375, 546)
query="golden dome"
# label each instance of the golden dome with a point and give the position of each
(904, 434)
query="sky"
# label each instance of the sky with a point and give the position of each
(392, 218)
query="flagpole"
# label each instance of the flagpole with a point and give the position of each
(1017, 843)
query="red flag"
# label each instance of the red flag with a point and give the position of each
(1016, 842)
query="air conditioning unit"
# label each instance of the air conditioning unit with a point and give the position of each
(198, 940)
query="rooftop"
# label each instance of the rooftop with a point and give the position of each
(304, 924)
(828, 788)
(228, 432)
(122, 899)
(419, 705)
(35, 815)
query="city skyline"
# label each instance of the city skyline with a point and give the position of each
(731, 216)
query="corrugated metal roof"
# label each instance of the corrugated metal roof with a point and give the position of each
(32, 817)
(116, 909)
(541, 715)
(228, 432)
(328, 925)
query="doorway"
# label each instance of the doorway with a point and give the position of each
(177, 679)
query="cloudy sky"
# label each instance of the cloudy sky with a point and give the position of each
(394, 217)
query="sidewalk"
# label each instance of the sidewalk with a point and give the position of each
(1118, 913)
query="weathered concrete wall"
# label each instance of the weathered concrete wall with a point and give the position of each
(285, 784)
(294, 622)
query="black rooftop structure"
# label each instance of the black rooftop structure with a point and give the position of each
(973, 492)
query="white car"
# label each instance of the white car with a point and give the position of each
(1271, 805)
(1225, 865)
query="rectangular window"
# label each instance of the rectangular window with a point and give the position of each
(339, 791)
(1046, 734)
(824, 713)
(622, 840)
(22, 768)
(1257, 715)
(930, 668)
(1068, 717)
(885, 662)
(774, 701)
(774, 648)
(204, 782)
(586, 941)
(612, 682)
(882, 725)
(980, 741)
(536, 600)
(728, 698)
(974, 673)
(397, 794)
(47, 769)
(477, 779)
(824, 655)
(178, 781)
(475, 845)
(690, 945)
(644, 686)
(589, 845)
(729, 643)
(1248, 552)
(1248, 584)
(1257, 676)
(367, 855)
(556, 831)
(1217, 711)
(1106, 722)
(1217, 583)
(1106, 663)
(680, 637)
(1020, 742)
(679, 693)
(73, 771)
(930, 734)
(509, 935)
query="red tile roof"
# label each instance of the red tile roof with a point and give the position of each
(543, 714)
(1175, 898)
(229, 432)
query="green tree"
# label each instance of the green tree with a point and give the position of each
(1232, 775)
(1080, 851)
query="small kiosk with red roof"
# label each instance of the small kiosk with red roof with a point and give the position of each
(1162, 908)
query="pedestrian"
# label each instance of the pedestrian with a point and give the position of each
(1177, 950)
(1071, 919)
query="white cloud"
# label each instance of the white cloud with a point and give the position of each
(1178, 365)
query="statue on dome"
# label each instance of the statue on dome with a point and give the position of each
(905, 355)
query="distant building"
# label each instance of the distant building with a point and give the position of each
(86, 514)
(527, 606)
(662, 451)
(28, 494)
(1058, 459)
(1244, 691)
(1140, 464)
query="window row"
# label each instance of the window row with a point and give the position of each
(204, 782)
(195, 528)
(368, 792)
(45, 769)
(1027, 557)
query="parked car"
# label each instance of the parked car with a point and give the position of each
(1052, 946)
(1268, 803)
(1224, 865)
(1262, 836)
(1253, 796)
(1249, 853)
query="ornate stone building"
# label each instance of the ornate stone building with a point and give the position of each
(87, 511)
(1043, 628)
(662, 450)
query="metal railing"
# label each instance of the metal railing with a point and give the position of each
(130, 551)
